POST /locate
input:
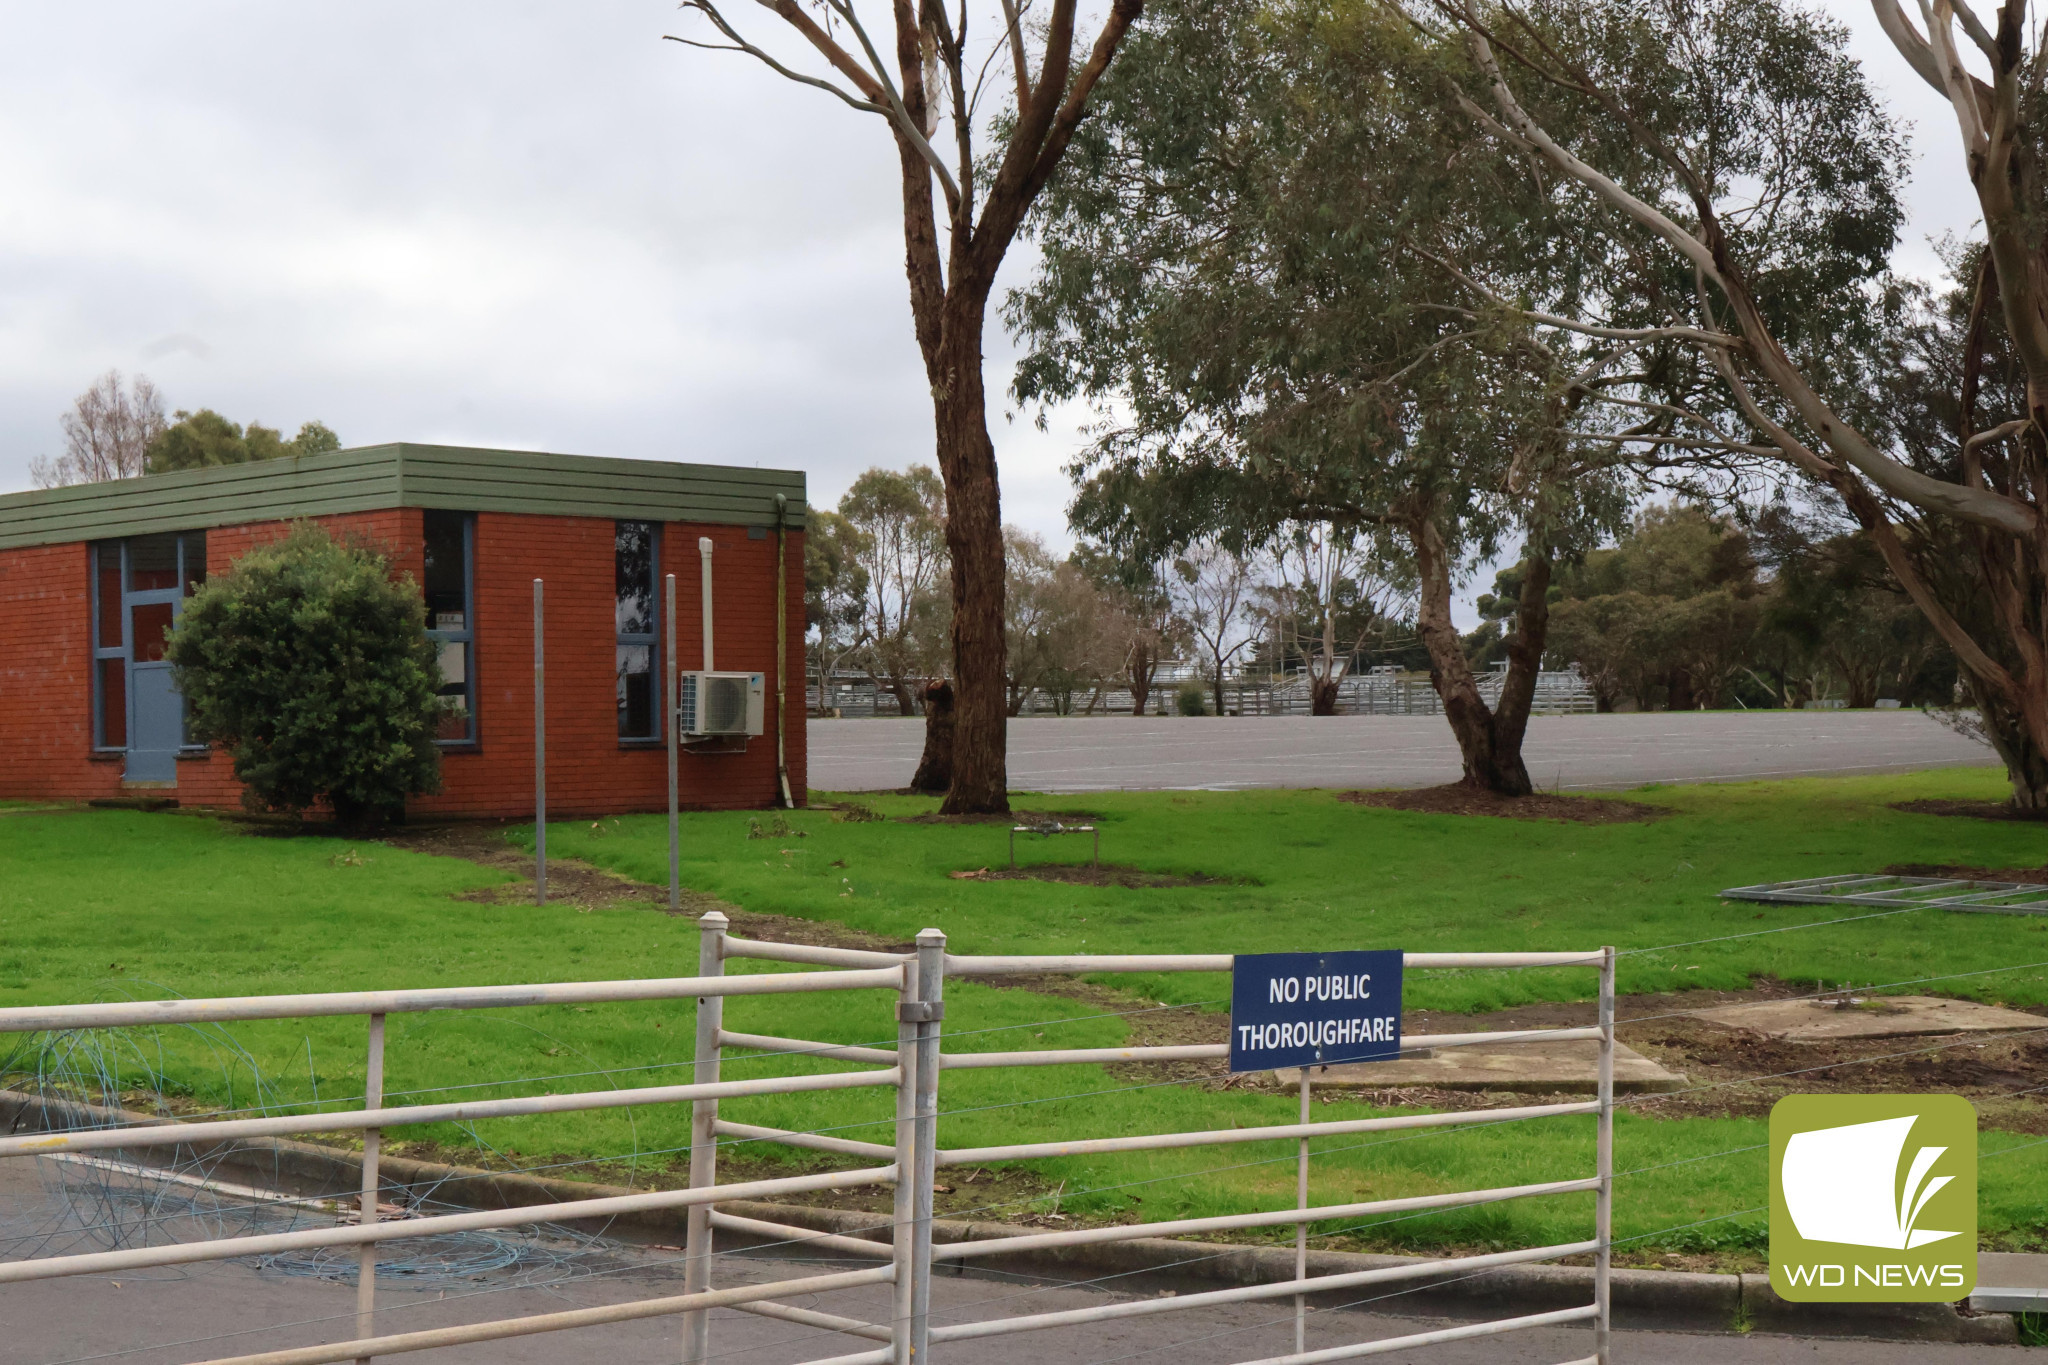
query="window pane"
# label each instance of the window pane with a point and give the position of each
(195, 560)
(447, 573)
(113, 703)
(454, 661)
(152, 563)
(633, 577)
(453, 656)
(151, 622)
(109, 574)
(636, 692)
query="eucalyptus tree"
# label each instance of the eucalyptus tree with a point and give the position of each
(1685, 110)
(917, 71)
(898, 549)
(1250, 265)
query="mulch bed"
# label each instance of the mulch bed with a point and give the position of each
(1458, 799)
(1108, 874)
(1015, 817)
(1975, 810)
(2033, 876)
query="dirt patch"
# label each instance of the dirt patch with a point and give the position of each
(2033, 876)
(569, 881)
(1107, 874)
(2005, 1077)
(1458, 799)
(1015, 817)
(1975, 810)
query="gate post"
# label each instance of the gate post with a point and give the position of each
(1603, 1208)
(904, 1210)
(931, 989)
(372, 1187)
(711, 927)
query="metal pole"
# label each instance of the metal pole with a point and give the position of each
(675, 847)
(711, 928)
(904, 1210)
(1603, 1201)
(704, 570)
(931, 990)
(782, 648)
(373, 1139)
(1301, 1229)
(540, 756)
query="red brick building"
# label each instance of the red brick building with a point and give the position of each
(91, 576)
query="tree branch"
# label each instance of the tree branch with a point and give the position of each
(740, 44)
(1013, 21)
(906, 126)
(1979, 506)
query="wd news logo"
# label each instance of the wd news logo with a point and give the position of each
(1873, 1198)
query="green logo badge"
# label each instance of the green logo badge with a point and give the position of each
(1873, 1198)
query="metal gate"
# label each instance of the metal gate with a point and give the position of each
(913, 1069)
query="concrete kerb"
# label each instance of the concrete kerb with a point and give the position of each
(1643, 1299)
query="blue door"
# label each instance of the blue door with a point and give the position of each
(154, 592)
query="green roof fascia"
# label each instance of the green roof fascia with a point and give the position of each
(401, 475)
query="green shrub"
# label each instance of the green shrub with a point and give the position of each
(1192, 699)
(308, 661)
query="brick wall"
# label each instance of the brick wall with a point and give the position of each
(46, 676)
(45, 697)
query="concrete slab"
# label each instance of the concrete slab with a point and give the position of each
(1571, 1067)
(1889, 1016)
(2011, 1282)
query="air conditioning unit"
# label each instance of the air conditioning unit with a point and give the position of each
(719, 704)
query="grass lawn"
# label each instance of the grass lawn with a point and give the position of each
(101, 904)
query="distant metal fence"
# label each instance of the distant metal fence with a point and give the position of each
(1562, 692)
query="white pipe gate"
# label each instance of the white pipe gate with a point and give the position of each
(913, 1069)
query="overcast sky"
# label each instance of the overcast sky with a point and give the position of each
(532, 225)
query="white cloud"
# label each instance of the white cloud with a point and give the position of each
(530, 224)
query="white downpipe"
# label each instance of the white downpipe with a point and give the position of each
(704, 554)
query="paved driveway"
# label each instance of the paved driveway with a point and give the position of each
(1572, 752)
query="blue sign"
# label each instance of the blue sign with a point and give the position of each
(1314, 1009)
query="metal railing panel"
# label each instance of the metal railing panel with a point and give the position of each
(999, 1246)
(809, 952)
(1149, 1142)
(811, 1317)
(186, 1253)
(800, 1047)
(913, 1069)
(817, 1142)
(1448, 1334)
(402, 1342)
(1277, 1289)
(142, 1013)
(783, 1232)
(172, 1133)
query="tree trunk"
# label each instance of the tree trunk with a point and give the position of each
(1322, 696)
(1490, 742)
(974, 535)
(1143, 665)
(935, 769)
(905, 694)
(2026, 766)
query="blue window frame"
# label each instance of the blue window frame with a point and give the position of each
(636, 616)
(138, 591)
(450, 592)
